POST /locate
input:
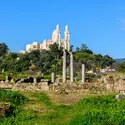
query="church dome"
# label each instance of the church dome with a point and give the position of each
(57, 30)
(54, 32)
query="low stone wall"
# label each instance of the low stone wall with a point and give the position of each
(105, 84)
(113, 84)
(26, 84)
(42, 86)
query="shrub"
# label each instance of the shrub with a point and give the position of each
(12, 96)
(121, 67)
(47, 76)
(2, 77)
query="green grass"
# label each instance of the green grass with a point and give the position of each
(15, 99)
(12, 96)
(99, 110)
(96, 110)
(45, 99)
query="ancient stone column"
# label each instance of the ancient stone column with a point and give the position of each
(35, 80)
(53, 77)
(71, 68)
(64, 66)
(2, 70)
(83, 73)
(7, 77)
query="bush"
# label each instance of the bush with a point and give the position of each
(12, 96)
(2, 77)
(121, 67)
(47, 77)
(92, 77)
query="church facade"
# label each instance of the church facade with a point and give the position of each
(56, 38)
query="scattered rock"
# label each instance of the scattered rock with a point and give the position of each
(119, 97)
(4, 109)
(12, 81)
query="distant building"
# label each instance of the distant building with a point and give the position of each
(22, 52)
(33, 46)
(56, 38)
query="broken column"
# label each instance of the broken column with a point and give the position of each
(35, 80)
(7, 79)
(2, 70)
(83, 73)
(53, 77)
(71, 68)
(64, 66)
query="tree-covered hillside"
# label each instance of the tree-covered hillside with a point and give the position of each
(48, 61)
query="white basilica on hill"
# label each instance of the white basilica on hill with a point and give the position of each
(56, 38)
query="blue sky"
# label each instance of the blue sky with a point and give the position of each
(98, 23)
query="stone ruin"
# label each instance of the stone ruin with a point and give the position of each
(115, 84)
(30, 83)
(62, 85)
(105, 84)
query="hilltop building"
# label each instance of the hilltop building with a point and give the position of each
(56, 38)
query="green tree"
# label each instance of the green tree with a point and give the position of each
(3, 49)
(107, 60)
(71, 48)
(121, 67)
(84, 48)
(77, 49)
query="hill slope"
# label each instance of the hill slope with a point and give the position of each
(120, 60)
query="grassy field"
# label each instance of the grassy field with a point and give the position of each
(34, 108)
